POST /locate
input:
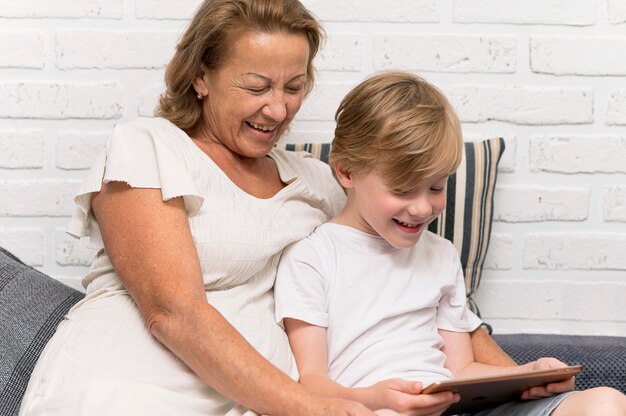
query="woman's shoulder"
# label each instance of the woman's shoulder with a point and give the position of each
(143, 135)
(299, 160)
(314, 173)
(148, 126)
(303, 165)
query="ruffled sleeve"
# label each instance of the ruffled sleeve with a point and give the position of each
(143, 154)
(316, 175)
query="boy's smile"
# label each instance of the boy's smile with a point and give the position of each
(409, 228)
(398, 217)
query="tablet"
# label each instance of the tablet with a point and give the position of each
(484, 392)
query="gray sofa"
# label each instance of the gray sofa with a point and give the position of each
(32, 304)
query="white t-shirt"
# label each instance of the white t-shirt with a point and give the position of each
(382, 306)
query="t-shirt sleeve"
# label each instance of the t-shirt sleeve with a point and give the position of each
(139, 156)
(300, 291)
(452, 312)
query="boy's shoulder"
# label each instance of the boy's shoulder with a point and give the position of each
(327, 239)
(435, 244)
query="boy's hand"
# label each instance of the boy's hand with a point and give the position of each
(405, 397)
(552, 388)
(340, 407)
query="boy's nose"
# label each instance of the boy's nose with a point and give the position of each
(420, 207)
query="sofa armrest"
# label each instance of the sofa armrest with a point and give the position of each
(31, 306)
(603, 358)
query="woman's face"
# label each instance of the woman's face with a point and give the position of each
(253, 96)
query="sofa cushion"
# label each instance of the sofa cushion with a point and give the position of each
(31, 306)
(466, 221)
(603, 357)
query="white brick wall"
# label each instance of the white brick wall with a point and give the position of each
(617, 11)
(616, 112)
(29, 55)
(62, 8)
(523, 104)
(585, 154)
(615, 203)
(21, 149)
(445, 53)
(574, 251)
(114, 48)
(60, 100)
(578, 55)
(526, 12)
(522, 203)
(547, 75)
(375, 11)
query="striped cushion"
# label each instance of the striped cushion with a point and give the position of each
(466, 223)
(466, 220)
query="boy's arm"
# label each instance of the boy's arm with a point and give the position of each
(487, 351)
(308, 343)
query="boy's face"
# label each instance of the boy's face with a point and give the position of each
(398, 217)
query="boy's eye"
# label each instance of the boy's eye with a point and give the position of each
(401, 192)
(438, 189)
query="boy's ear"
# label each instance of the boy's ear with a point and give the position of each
(344, 177)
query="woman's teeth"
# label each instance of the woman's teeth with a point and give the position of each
(262, 128)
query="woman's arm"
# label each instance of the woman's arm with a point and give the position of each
(487, 351)
(309, 345)
(151, 248)
(460, 360)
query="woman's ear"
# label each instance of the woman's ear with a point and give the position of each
(200, 85)
(343, 176)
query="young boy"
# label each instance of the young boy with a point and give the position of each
(373, 303)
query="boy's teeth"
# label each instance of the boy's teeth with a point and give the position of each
(409, 225)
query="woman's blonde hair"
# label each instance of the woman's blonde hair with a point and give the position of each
(211, 33)
(398, 125)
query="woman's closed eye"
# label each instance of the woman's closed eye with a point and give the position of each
(257, 90)
(294, 89)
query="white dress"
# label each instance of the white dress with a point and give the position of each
(102, 360)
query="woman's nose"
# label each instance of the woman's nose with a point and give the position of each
(276, 107)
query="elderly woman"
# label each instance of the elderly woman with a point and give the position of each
(190, 212)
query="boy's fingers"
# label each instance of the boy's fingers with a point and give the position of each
(409, 387)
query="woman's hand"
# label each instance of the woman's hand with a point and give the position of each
(552, 388)
(405, 397)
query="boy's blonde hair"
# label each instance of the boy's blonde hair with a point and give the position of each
(399, 125)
